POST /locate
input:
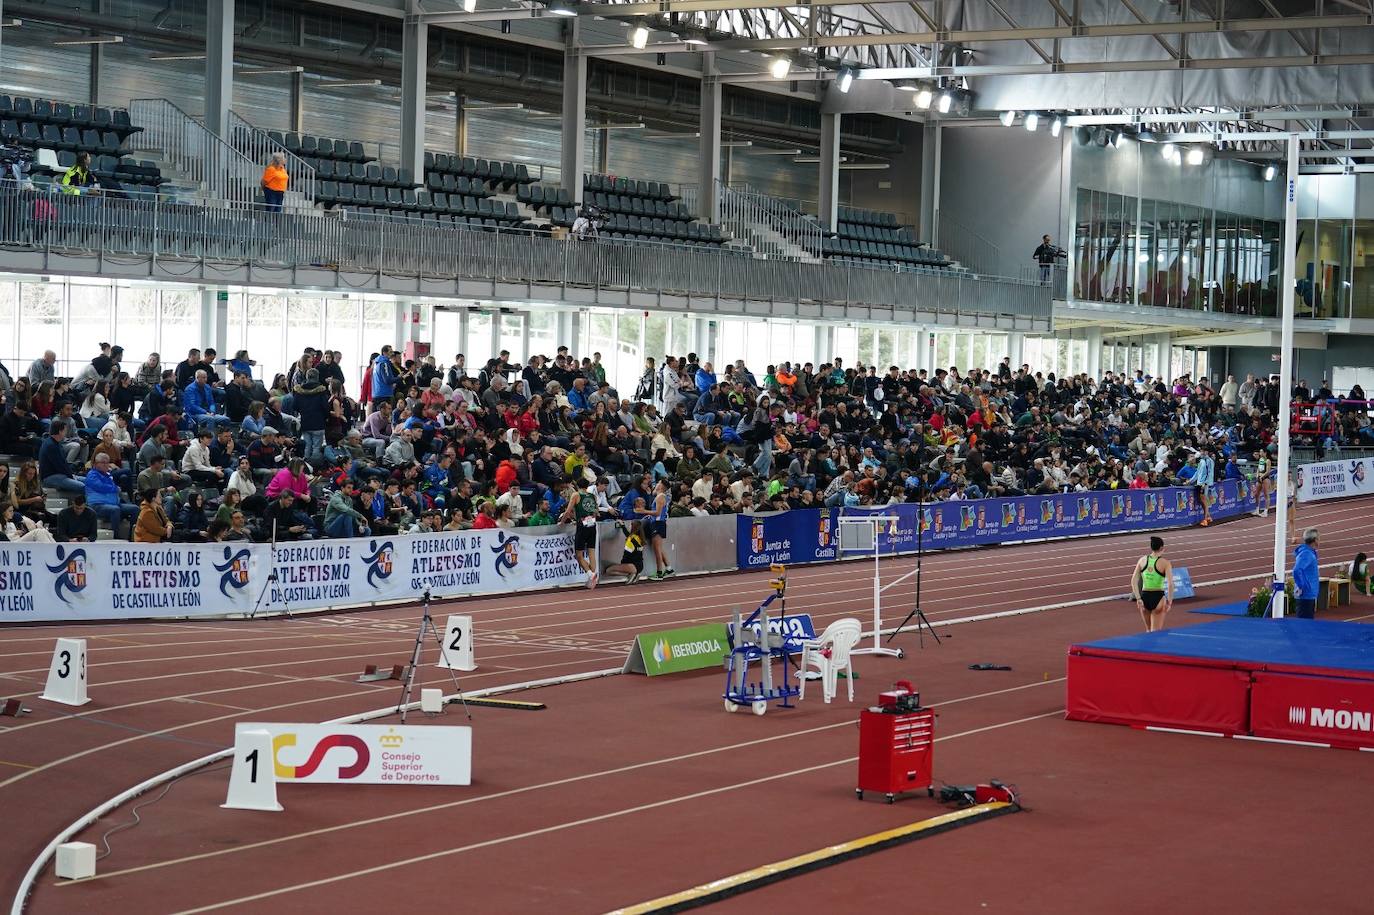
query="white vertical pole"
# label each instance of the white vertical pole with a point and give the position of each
(877, 591)
(1287, 278)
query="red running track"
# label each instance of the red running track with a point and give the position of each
(626, 788)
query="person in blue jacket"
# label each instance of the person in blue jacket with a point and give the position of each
(1306, 575)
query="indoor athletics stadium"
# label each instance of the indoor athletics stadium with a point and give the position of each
(608, 456)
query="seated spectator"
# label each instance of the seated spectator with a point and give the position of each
(52, 462)
(75, 523)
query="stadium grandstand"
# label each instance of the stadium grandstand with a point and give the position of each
(320, 317)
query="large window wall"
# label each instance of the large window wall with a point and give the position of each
(71, 317)
(1155, 252)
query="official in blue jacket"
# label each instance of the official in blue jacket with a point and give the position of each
(1306, 577)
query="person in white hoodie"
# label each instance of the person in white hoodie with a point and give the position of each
(196, 462)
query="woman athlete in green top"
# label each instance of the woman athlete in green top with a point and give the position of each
(1152, 584)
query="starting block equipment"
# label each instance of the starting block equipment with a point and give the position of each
(761, 639)
(371, 674)
(13, 708)
(67, 674)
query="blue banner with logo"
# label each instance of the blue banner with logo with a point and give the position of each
(811, 535)
(113, 580)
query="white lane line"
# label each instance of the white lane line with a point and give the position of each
(585, 821)
(558, 783)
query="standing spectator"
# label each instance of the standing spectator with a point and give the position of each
(1306, 576)
(274, 182)
(383, 375)
(311, 401)
(1045, 255)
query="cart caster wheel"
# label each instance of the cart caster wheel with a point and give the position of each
(731, 706)
(901, 653)
(760, 707)
(859, 793)
(930, 792)
(891, 799)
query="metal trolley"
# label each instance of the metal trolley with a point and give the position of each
(754, 641)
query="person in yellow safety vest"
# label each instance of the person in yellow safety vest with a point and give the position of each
(78, 178)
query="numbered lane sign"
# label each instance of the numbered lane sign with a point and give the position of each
(67, 675)
(253, 779)
(457, 653)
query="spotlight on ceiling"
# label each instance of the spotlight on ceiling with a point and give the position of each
(1118, 138)
(845, 79)
(1167, 151)
(1196, 156)
(945, 100)
(469, 6)
(1056, 126)
(1270, 172)
(924, 98)
(1007, 118)
(639, 35)
(1032, 121)
(780, 66)
(560, 8)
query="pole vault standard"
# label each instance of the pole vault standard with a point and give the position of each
(859, 534)
(1287, 280)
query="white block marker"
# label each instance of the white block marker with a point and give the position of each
(457, 653)
(253, 780)
(67, 675)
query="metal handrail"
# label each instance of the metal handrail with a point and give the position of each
(166, 230)
(193, 151)
(966, 245)
(770, 225)
(259, 147)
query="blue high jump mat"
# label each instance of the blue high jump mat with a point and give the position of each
(1258, 643)
(1239, 608)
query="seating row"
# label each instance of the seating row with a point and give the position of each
(64, 114)
(864, 232)
(450, 184)
(122, 170)
(361, 173)
(306, 146)
(656, 227)
(638, 206)
(334, 193)
(628, 187)
(867, 217)
(442, 219)
(692, 242)
(506, 174)
(868, 250)
(538, 197)
(31, 133)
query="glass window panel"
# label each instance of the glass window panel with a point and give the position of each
(479, 341)
(867, 353)
(943, 347)
(656, 329)
(266, 318)
(979, 359)
(624, 369)
(89, 316)
(342, 329)
(179, 323)
(780, 349)
(680, 336)
(543, 327)
(40, 324)
(512, 337)
(9, 308)
(137, 316)
(304, 324)
(887, 349)
(846, 345)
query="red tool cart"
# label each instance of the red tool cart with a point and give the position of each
(896, 744)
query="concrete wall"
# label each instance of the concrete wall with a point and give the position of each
(1003, 183)
(1312, 364)
(896, 189)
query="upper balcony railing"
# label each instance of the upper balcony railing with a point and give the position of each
(223, 234)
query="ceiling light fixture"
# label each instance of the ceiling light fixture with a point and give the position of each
(1032, 121)
(946, 99)
(924, 98)
(780, 67)
(639, 35)
(1196, 156)
(1269, 172)
(1007, 118)
(1056, 126)
(845, 80)
(469, 6)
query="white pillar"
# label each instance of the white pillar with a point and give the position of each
(219, 65)
(1094, 340)
(830, 170)
(214, 319)
(708, 152)
(1016, 349)
(1163, 345)
(574, 111)
(1287, 279)
(414, 64)
(930, 181)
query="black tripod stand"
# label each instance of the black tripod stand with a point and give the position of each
(271, 580)
(916, 611)
(407, 688)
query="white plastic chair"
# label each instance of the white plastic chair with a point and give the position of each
(840, 637)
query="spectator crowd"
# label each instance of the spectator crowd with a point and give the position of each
(204, 450)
